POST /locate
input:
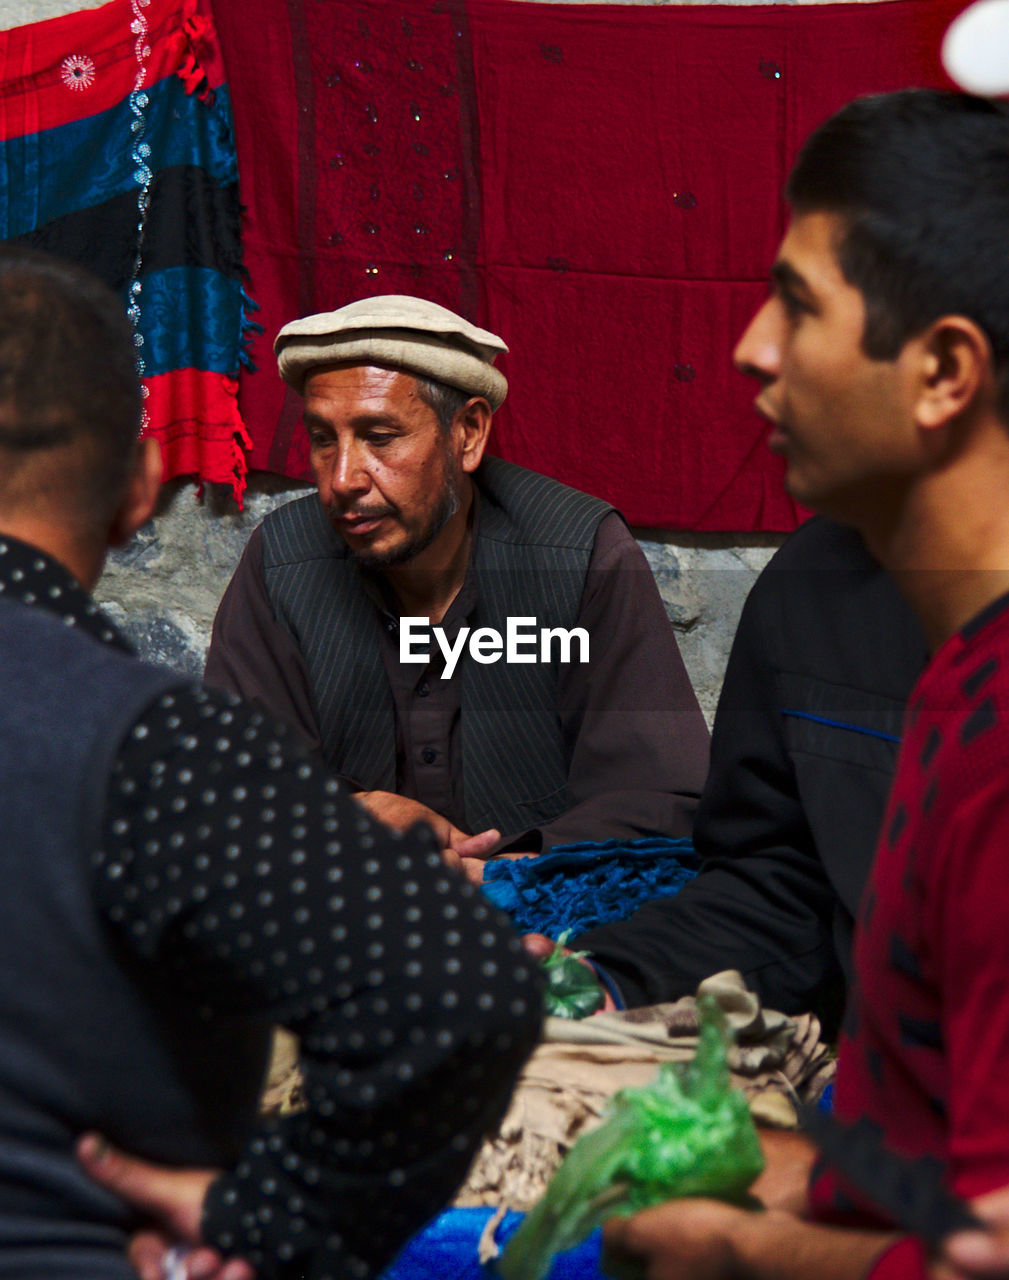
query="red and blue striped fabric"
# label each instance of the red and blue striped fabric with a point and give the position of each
(70, 184)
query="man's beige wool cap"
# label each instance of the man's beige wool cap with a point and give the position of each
(411, 334)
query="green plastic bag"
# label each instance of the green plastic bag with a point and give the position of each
(688, 1133)
(573, 990)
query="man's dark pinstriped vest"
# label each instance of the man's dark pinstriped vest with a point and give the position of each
(89, 1038)
(533, 549)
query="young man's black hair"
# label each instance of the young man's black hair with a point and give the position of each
(921, 180)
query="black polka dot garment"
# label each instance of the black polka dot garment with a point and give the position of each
(236, 864)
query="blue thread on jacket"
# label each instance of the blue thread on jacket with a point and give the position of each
(839, 724)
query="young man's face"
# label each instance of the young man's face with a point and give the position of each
(842, 421)
(388, 477)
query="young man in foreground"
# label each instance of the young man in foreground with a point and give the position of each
(883, 358)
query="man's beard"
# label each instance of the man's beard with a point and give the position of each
(448, 505)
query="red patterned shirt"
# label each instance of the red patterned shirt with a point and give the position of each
(925, 1051)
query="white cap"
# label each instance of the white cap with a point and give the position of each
(975, 50)
(407, 333)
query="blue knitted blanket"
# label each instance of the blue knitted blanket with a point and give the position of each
(446, 1249)
(579, 886)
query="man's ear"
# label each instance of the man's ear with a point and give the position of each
(473, 422)
(956, 370)
(141, 494)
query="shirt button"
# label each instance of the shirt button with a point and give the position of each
(391, 625)
(429, 755)
(423, 689)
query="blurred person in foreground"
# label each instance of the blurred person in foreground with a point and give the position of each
(179, 876)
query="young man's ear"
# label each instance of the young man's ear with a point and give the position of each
(141, 494)
(956, 370)
(473, 420)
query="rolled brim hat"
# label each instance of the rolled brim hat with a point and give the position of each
(975, 49)
(405, 333)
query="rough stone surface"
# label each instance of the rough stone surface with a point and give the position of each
(703, 580)
(163, 589)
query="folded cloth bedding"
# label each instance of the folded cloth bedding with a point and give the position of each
(565, 1086)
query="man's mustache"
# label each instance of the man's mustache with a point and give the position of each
(359, 513)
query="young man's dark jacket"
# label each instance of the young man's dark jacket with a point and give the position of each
(803, 752)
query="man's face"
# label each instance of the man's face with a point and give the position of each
(388, 477)
(843, 421)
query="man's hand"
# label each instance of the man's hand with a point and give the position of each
(155, 1256)
(469, 855)
(678, 1240)
(476, 848)
(981, 1253)
(172, 1200)
(707, 1240)
(789, 1157)
(400, 813)
(541, 948)
(474, 856)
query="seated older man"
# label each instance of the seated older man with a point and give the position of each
(464, 641)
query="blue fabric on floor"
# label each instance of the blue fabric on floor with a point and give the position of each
(447, 1250)
(579, 886)
(575, 886)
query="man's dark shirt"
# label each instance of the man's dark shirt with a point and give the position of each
(802, 755)
(633, 731)
(235, 867)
